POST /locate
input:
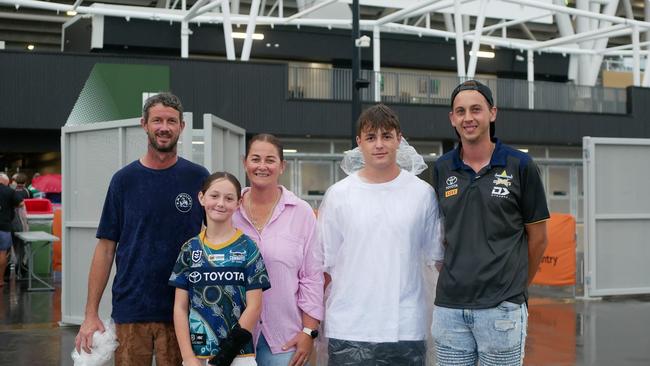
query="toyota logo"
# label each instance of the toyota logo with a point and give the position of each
(194, 277)
(452, 180)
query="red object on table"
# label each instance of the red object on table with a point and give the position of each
(38, 206)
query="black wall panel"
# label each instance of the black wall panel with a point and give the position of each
(39, 91)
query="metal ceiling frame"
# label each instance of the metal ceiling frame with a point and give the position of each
(585, 43)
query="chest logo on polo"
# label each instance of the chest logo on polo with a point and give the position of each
(452, 186)
(238, 256)
(502, 179)
(219, 257)
(183, 202)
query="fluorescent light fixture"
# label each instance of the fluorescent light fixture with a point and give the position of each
(71, 13)
(197, 142)
(242, 35)
(30, 47)
(523, 150)
(433, 154)
(289, 151)
(483, 54)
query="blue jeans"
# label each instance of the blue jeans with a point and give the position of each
(264, 357)
(495, 336)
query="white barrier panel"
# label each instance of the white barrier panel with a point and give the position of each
(222, 141)
(617, 216)
(90, 155)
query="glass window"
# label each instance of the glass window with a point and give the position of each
(427, 148)
(580, 177)
(340, 174)
(558, 181)
(538, 152)
(306, 146)
(559, 205)
(565, 152)
(286, 179)
(315, 177)
(342, 146)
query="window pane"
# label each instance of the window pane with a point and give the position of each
(286, 179)
(315, 177)
(341, 147)
(559, 205)
(565, 152)
(558, 181)
(306, 146)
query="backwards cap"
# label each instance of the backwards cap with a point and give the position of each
(473, 85)
(479, 87)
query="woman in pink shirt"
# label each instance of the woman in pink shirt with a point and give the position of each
(284, 228)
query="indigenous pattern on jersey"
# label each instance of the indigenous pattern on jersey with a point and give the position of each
(217, 277)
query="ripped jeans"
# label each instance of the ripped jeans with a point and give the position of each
(495, 336)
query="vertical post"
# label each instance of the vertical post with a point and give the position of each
(460, 48)
(185, 35)
(376, 62)
(531, 79)
(356, 68)
(227, 31)
(250, 29)
(473, 57)
(636, 58)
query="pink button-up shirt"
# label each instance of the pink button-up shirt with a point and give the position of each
(289, 247)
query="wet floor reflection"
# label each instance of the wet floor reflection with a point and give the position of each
(562, 330)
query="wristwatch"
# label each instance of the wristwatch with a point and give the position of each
(313, 333)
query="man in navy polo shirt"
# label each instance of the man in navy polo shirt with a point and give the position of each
(495, 213)
(150, 210)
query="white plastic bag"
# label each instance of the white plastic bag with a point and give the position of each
(104, 345)
(407, 159)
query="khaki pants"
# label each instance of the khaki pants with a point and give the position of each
(139, 342)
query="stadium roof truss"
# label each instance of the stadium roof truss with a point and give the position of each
(583, 30)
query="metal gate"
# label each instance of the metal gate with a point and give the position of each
(617, 216)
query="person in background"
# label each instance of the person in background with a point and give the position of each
(284, 228)
(9, 201)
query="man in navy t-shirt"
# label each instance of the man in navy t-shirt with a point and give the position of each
(150, 210)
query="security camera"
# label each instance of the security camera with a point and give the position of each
(363, 41)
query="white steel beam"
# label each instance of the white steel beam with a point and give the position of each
(613, 31)
(636, 57)
(192, 12)
(505, 24)
(404, 13)
(473, 56)
(531, 78)
(596, 61)
(309, 10)
(227, 31)
(250, 29)
(460, 48)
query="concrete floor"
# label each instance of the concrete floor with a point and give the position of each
(562, 330)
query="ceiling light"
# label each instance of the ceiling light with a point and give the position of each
(433, 154)
(30, 47)
(71, 13)
(483, 54)
(242, 35)
(523, 150)
(289, 151)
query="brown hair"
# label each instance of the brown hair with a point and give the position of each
(207, 182)
(266, 137)
(378, 117)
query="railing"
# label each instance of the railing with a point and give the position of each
(421, 88)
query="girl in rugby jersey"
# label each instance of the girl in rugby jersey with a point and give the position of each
(219, 278)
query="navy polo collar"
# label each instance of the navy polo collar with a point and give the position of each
(499, 156)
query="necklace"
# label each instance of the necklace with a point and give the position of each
(259, 225)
